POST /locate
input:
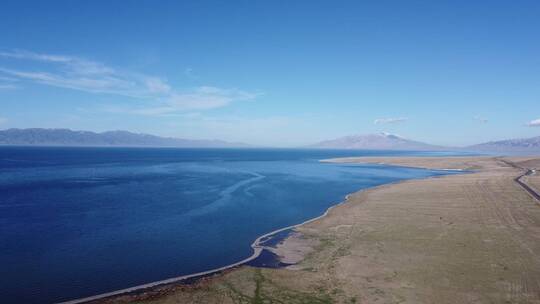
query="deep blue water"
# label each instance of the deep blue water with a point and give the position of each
(75, 222)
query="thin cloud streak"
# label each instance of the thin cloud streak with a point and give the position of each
(21, 54)
(84, 75)
(8, 83)
(94, 77)
(7, 86)
(201, 98)
(390, 120)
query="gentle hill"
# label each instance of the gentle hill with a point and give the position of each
(520, 145)
(67, 137)
(379, 141)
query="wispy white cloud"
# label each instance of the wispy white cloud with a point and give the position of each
(208, 97)
(534, 123)
(7, 83)
(390, 120)
(101, 84)
(21, 54)
(7, 86)
(84, 75)
(94, 77)
(7, 79)
(480, 119)
(3, 120)
(200, 98)
(157, 85)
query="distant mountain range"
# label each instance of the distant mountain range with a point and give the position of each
(386, 141)
(66, 137)
(379, 141)
(510, 145)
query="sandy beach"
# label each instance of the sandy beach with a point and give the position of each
(467, 238)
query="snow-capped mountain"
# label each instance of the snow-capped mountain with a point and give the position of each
(382, 141)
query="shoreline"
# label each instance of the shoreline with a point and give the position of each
(342, 161)
(256, 245)
(442, 239)
(366, 160)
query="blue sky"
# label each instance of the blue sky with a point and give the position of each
(282, 73)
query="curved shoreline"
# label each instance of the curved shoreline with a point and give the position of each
(257, 250)
(256, 246)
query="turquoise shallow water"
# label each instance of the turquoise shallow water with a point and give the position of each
(82, 221)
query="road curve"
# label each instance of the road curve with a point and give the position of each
(518, 180)
(531, 191)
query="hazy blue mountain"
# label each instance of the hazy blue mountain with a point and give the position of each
(383, 141)
(509, 145)
(67, 137)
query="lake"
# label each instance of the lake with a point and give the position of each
(82, 221)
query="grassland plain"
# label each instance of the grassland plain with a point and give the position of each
(469, 238)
